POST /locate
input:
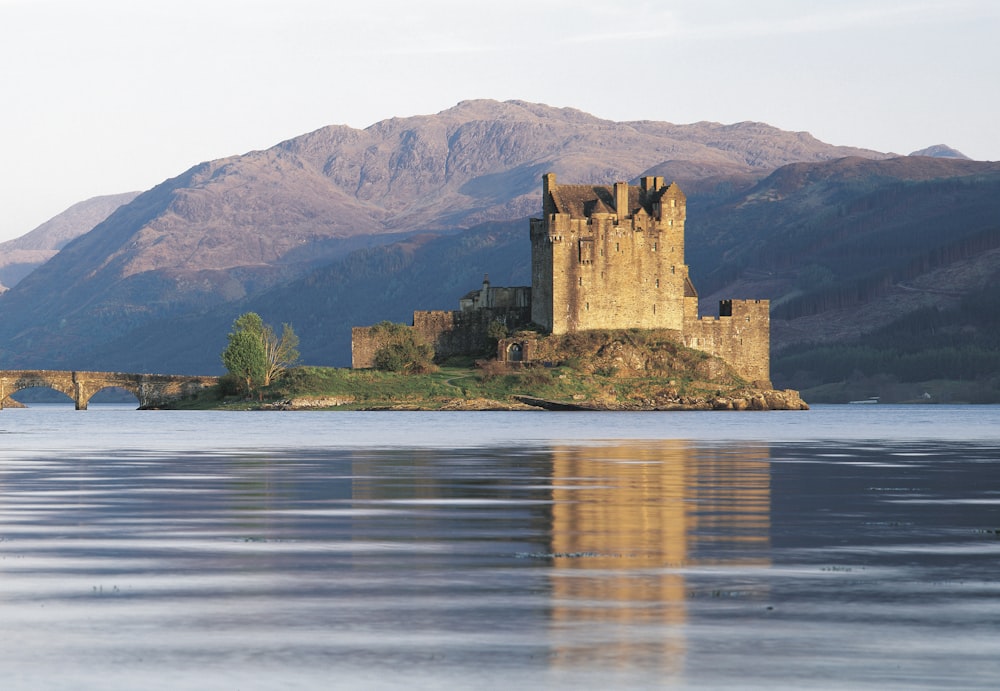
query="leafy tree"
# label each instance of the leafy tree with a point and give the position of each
(280, 353)
(256, 354)
(245, 356)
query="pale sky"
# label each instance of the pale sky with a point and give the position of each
(108, 96)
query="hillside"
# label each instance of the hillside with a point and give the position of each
(21, 256)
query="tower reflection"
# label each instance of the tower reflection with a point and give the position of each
(628, 521)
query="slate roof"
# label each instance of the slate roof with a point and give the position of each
(582, 201)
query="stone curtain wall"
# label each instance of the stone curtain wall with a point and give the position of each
(459, 333)
(449, 332)
(741, 336)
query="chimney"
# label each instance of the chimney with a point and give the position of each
(621, 200)
(548, 187)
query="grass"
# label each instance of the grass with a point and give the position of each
(453, 385)
(607, 369)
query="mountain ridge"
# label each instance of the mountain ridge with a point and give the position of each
(342, 226)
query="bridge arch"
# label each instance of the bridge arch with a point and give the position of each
(149, 389)
(37, 379)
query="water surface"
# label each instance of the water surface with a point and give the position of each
(841, 547)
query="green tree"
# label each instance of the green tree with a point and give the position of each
(256, 354)
(280, 353)
(245, 356)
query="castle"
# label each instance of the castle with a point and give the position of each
(602, 257)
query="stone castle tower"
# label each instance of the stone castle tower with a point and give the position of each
(610, 257)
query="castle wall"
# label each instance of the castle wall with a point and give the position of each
(364, 343)
(449, 332)
(465, 332)
(541, 274)
(741, 336)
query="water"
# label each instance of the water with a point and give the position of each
(852, 546)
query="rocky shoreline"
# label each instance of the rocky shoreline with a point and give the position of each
(742, 400)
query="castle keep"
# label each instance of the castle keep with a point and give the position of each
(610, 258)
(602, 257)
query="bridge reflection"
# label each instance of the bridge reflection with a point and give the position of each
(151, 390)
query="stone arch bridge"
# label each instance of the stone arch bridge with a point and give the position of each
(151, 389)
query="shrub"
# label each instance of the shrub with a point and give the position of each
(231, 385)
(491, 369)
(401, 350)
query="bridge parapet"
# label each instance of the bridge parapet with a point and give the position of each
(151, 390)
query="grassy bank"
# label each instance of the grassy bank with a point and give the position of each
(458, 385)
(614, 370)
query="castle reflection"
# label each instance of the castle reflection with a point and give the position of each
(621, 536)
(627, 521)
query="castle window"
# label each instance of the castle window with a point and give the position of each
(581, 280)
(586, 306)
(618, 247)
(654, 246)
(654, 309)
(657, 283)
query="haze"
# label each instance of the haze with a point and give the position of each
(111, 96)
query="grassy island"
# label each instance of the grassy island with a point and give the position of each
(622, 370)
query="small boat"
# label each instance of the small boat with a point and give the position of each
(866, 401)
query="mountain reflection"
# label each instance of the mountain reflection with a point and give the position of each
(627, 520)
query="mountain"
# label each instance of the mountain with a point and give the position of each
(940, 151)
(21, 256)
(865, 256)
(227, 230)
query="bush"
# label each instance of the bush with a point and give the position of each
(231, 385)
(402, 350)
(491, 369)
(536, 376)
(494, 332)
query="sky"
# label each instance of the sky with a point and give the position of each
(110, 96)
